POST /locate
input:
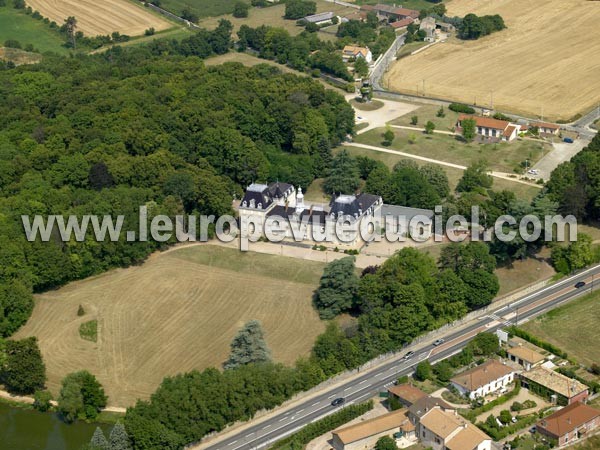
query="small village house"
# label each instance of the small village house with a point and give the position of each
(445, 430)
(569, 424)
(365, 434)
(489, 377)
(525, 356)
(546, 128)
(425, 404)
(402, 23)
(354, 52)
(491, 129)
(554, 386)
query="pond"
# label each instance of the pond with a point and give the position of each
(24, 429)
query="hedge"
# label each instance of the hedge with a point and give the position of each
(473, 413)
(593, 385)
(316, 429)
(535, 341)
(459, 107)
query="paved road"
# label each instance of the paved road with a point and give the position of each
(278, 425)
(562, 152)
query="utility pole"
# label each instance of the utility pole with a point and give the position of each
(423, 87)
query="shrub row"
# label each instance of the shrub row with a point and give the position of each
(313, 430)
(459, 107)
(500, 433)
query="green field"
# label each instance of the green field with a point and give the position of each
(410, 4)
(573, 328)
(15, 24)
(503, 157)
(204, 8)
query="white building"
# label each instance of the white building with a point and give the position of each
(482, 380)
(354, 52)
(492, 129)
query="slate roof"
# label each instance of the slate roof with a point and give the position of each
(405, 212)
(264, 194)
(314, 214)
(425, 404)
(352, 205)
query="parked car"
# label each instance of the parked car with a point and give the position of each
(533, 429)
(580, 284)
(568, 140)
(408, 355)
(338, 401)
(438, 342)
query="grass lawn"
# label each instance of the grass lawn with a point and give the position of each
(89, 330)
(429, 112)
(503, 157)
(250, 263)
(572, 327)
(15, 24)
(315, 193)
(272, 15)
(177, 33)
(407, 49)
(521, 190)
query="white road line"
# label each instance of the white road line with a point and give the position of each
(331, 396)
(315, 404)
(298, 412)
(349, 387)
(363, 381)
(231, 443)
(282, 419)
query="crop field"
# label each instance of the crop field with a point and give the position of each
(15, 24)
(101, 18)
(177, 312)
(573, 328)
(545, 63)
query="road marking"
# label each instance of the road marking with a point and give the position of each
(298, 412)
(331, 396)
(231, 443)
(347, 388)
(363, 381)
(315, 404)
(282, 419)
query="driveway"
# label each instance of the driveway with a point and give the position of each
(380, 117)
(562, 152)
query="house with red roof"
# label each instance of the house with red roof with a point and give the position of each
(491, 129)
(569, 424)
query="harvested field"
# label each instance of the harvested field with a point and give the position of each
(101, 18)
(177, 312)
(548, 58)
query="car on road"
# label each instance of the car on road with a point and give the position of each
(438, 342)
(408, 355)
(338, 401)
(568, 140)
(580, 284)
(359, 118)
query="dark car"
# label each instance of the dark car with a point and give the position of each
(408, 355)
(568, 140)
(438, 342)
(338, 401)
(580, 284)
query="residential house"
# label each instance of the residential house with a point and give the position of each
(525, 356)
(354, 52)
(390, 12)
(569, 423)
(489, 377)
(446, 27)
(491, 129)
(365, 434)
(445, 430)
(546, 128)
(425, 404)
(406, 394)
(323, 18)
(555, 386)
(428, 26)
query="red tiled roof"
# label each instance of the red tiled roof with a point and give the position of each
(407, 392)
(509, 131)
(402, 22)
(406, 12)
(567, 419)
(479, 376)
(485, 122)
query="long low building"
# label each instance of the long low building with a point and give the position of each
(482, 380)
(492, 129)
(554, 386)
(365, 434)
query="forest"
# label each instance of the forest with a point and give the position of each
(151, 126)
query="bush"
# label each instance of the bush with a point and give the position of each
(12, 43)
(414, 120)
(41, 400)
(516, 406)
(240, 10)
(80, 311)
(150, 31)
(473, 413)
(315, 429)
(423, 371)
(459, 107)
(500, 433)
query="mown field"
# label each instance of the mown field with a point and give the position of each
(177, 312)
(204, 8)
(15, 24)
(101, 18)
(573, 327)
(545, 62)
